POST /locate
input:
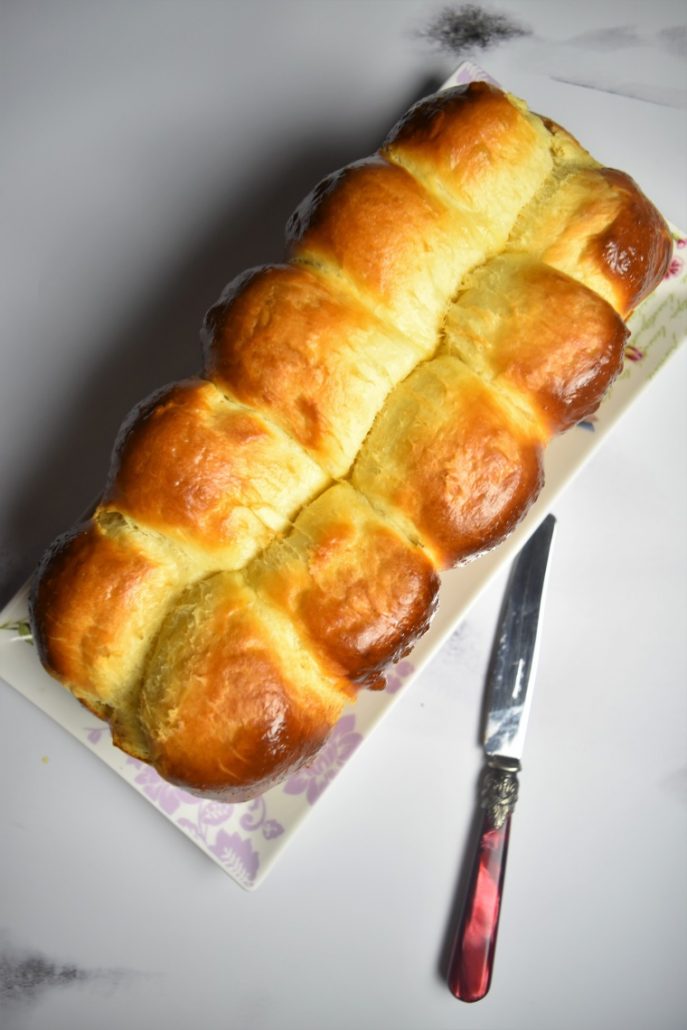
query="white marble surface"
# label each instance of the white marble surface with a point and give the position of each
(149, 152)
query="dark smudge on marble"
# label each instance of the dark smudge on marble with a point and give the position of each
(470, 27)
(674, 40)
(463, 30)
(662, 96)
(617, 37)
(26, 975)
(461, 653)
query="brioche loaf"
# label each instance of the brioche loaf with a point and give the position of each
(369, 413)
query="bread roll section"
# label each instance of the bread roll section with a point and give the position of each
(370, 412)
(356, 588)
(480, 151)
(550, 344)
(213, 476)
(454, 462)
(370, 230)
(103, 594)
(318, 364)
(230, 694)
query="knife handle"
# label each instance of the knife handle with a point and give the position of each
(472, 956)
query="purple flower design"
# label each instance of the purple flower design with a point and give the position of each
(674, 268)
(313, 778)
(95, 734)
(272, 828)
(208, 814)
(680, 242)
(255, 818)
(396, 678)
(163, 794)
(236, 854)
(633, 353)
(214, 813)
(469, 72)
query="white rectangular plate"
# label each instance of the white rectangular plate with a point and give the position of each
(245, 839)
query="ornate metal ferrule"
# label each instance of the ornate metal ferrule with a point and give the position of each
(499, 792)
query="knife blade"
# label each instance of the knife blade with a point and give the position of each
(508, 699)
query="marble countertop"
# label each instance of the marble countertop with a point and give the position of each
(150, 152)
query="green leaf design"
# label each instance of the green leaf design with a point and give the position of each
(21, 627)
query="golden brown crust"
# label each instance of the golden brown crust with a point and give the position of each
(636, 247)
(228, 701)
(70, 583)
(100, 590)
(213, 476)
(448, 304)
(553, 344)
(351, 583)
(284, 341)
(452, 460)
(371, 225)
(477, 148)
(597, 226)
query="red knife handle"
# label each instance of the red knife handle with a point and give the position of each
(472, 957)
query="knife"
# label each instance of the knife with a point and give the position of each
(508, 701)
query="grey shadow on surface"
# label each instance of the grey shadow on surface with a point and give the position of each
(159, 343)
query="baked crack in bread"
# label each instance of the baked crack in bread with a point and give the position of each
(369, 413)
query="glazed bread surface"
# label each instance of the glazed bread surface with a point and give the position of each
(369, 413)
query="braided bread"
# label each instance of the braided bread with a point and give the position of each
(369, 413)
